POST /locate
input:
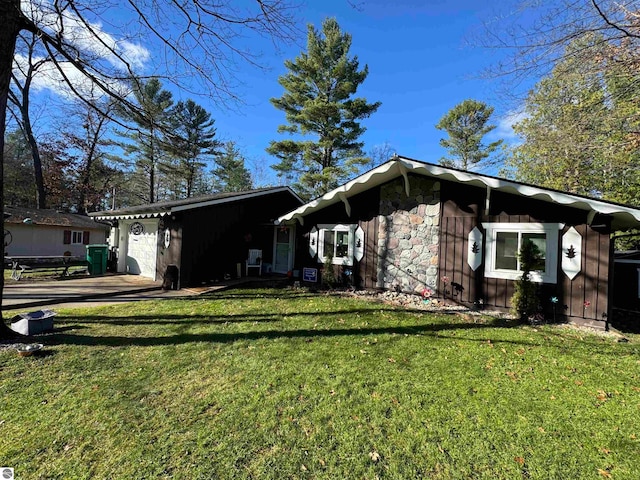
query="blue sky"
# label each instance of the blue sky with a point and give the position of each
(423, 59)
(421, 63)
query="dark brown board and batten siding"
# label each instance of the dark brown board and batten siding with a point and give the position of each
(459, 214)
(216, 238)
(364, 212)
(583, 300)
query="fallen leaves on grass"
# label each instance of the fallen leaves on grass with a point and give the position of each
(603, 396)
(604, 473)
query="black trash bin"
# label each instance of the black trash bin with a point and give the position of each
(171, 275)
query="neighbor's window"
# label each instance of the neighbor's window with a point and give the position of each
(504, 241)
(76, 238)
(336, 240)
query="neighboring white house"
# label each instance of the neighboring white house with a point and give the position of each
(32, 232)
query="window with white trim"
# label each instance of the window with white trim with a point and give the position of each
(76, 238)
(504, 241)
(337, 240)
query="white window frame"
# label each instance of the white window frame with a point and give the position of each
(74, 234)
(551, 230)
(337, 227)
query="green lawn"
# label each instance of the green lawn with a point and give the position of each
(45, 274)
(278, 384)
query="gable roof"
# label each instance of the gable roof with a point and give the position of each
(623, 216)
(53, 218)
(160, 209)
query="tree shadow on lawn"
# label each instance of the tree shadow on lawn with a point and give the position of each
(429, 329)
(185, 319)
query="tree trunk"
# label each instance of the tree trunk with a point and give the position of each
(41, 195)
(12, 22)
(27, 129)
(85, 185)
(152, 167)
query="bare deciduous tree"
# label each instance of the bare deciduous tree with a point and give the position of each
(22, 78)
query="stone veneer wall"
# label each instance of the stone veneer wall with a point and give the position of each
(408, 235)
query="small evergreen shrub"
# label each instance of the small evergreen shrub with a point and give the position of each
(329, 278)
(525, 302)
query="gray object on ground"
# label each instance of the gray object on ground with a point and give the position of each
(33, 323)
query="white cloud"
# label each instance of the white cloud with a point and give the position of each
(60, 80)
(112, 56)
(504, 129)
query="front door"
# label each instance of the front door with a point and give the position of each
(283, 249)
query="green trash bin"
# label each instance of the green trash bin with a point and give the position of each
(97, 259)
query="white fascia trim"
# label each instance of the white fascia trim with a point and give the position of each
(526, 190)
(133, 216)
(381, 174)
(234, 198)
(625, 216)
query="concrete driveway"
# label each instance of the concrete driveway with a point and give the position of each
(105, 290)
(84, 291)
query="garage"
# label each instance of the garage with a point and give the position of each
(201, 239)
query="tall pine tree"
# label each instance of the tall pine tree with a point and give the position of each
(466, 125)
(146, 138)
(319, 101)
(231, 175)
(192, 145)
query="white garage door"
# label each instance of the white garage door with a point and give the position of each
(142, 247)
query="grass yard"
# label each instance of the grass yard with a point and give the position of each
(46, 274)
(279, 384)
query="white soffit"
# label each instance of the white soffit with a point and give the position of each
(624, 217)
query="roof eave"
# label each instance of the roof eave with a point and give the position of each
(622, 217)
(124, 215)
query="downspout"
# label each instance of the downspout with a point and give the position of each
(482, 215)
(611, 286)
(487, 203)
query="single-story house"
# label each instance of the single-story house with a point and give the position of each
(419, 227)
(202, 239)
(39, 233)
